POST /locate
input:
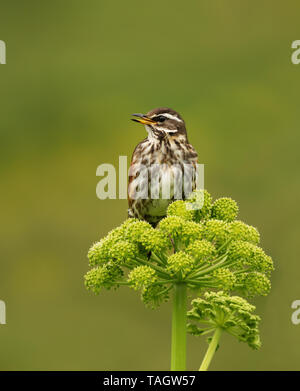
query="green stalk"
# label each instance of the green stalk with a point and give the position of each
(208, 269)
(211, 350)
(178, 353)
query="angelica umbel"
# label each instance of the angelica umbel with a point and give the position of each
(199, 247)
(218, 312)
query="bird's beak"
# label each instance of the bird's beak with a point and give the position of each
(143, 119)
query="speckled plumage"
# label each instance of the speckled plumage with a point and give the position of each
(162, 155)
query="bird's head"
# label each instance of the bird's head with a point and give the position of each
(162, 122)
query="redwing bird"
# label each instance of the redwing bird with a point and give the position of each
(163, 165)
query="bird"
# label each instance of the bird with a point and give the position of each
(163, 165)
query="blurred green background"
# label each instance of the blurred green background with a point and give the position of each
(75, 72)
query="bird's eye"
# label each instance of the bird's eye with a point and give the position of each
(160, 118)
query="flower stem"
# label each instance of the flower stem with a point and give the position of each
(209, 269)
(178, 354)
(211, 350)
(159, 269)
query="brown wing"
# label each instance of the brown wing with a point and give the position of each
(192, 157)
(136, 156)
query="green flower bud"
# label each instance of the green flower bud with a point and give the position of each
(103, 277)
(241, 231)
(191, 231)
(225, 209)
(261, 261)
(127, 223)
(179, 208)
(141, 276)
(172, 226)
(108, 247)
(119, 232)
(123, 251)
(200, 201)
(224, 278)
(180, 262)
(232, 314)
(253, 284)
(250, 255)
(99, 252)
(239, 250)
(135, 230)
(150, 239)
(154, 295)
(216, 231)
(201, 250)
(155, 241)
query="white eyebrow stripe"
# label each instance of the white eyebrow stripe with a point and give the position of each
(167, 115)
(165, 130)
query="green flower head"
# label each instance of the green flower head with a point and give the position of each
(216, 231)
(231, 314)
(180, 264)
(201, 250)
(204, 248)
(141, 277)
(241, 231)
(200, 201)
(225, 209)
(179, 208)
(103, 277)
